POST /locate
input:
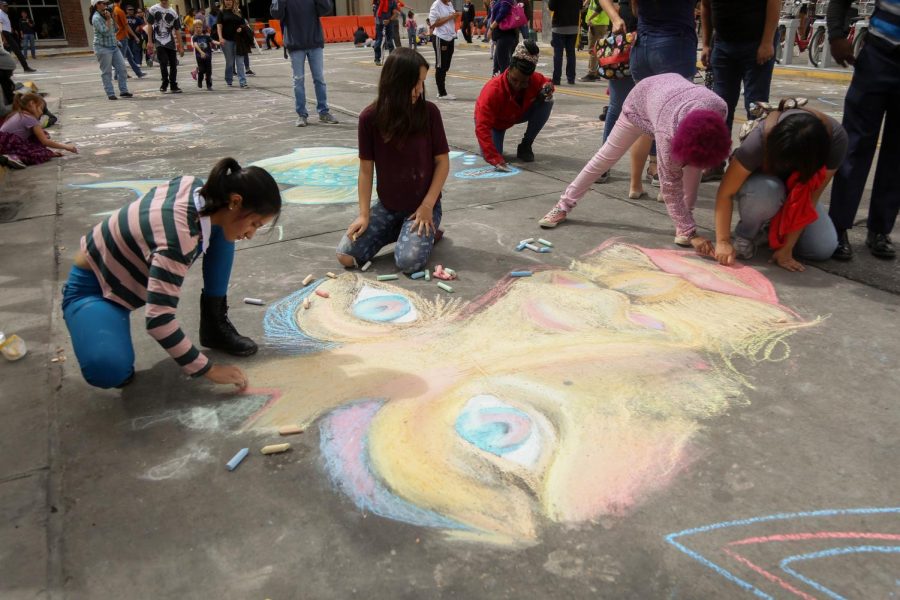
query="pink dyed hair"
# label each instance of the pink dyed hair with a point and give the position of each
(702, 140)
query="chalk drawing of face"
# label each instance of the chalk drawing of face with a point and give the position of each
(558, 398)
(308, 176)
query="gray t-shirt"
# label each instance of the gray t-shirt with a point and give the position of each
(750, 153)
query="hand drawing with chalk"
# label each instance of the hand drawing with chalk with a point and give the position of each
(556, 398)
(318, 175)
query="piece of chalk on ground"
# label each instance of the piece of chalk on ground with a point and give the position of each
(521, 274)
(322, 294)
(386, 277)
(427, 275)
(306, 303)
(544, 250)
(521, 246)
(366, 266)
(255, 301)
(449, 271)
(532, 247)
(445, 287)
(545, 242)
(276, 448)
(418, 275)
(331, 275)
(290, 430)
(232, 464)
(527, 241)
(308, 279)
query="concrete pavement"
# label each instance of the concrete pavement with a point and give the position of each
(655, 456)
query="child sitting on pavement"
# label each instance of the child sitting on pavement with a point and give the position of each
(688, 123)
(22, 139)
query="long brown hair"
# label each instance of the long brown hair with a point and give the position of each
(20, 101)
(396, 116)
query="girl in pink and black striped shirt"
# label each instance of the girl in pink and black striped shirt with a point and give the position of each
(140, 256)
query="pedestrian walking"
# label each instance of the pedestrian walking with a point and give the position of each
(106, 48)
(443, 27)
(230, 25)
(412, 29)
(468, 18)
(124, 36)
(385, 12)
(302, 35)
(203, 45)
(164, 35)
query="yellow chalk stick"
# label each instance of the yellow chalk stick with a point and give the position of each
(331, 275)
(306, 303)
(276, 448)
(290, 430)
(308, 279)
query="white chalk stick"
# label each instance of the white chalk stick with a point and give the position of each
(255, 301)
(331, 275)
(308, 279)
(306, 302)
(366, 266)
(526, 241)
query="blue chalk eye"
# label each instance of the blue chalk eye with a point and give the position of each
(493, 426)
(384, 308)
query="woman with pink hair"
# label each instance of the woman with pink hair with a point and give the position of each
(688, 124)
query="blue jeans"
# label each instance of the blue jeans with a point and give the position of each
(563, 42)
(761, 197)
(411, 252)
(109, 58)
(618, 91)
(872, 97)
(316, 57)
(536, 116)
(384, 33)
(231, 64)
(125, 49)
(100, 329)
(733, 63)
(28, 43)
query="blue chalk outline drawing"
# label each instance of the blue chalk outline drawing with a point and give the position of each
(831, 552)
(308, 176)
(281, 327)
(672, 537)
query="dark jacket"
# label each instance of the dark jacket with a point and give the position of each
(300, 24)
(566, 13)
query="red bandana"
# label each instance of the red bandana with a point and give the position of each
(797, 211)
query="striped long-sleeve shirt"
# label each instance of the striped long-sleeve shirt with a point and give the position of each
(141, 255)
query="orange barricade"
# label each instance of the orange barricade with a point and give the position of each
(339, 29)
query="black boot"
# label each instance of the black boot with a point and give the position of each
(880, 245)
(844, 250)
(216, 331)
(524, 152)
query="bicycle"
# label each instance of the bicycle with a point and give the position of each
(793, 9)
(859, 29)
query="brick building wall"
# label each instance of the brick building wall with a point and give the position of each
(74, 17)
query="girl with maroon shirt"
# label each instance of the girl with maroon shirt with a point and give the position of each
(399, 128)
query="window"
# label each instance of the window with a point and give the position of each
(45, 14)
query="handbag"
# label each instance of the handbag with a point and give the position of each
(515, 19)
(613, 54)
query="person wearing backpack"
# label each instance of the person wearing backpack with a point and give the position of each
(777, 176)
(566, 21)
(598, 24)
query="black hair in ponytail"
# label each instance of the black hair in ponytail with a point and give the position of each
(256, 186)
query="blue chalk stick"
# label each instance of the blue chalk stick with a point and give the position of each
(521, 274)
(418, 275)
(521, 246)
(232, 464)
(544, 250)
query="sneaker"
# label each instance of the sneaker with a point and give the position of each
(30, 70)
(683, 241)
(553, 218)
(447, 97)
(209, 88)
(743, 248)
(229, 84)
(603, 178)
(880, 245)
(244, 86)
(200, 84)
(377, 63)
(176, 90)
(844, 250)
(126, 95)
(301, 122)
(327, 118)
(524, 153)
(142, 75)
(571, 82)
(249, 72)
(588, 77)
(603, 114)
(163, 89)
(12, 162)
(714, 174)
(112, 97)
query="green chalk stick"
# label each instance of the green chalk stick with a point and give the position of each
(545, 242)
(386, 277)
(445, 287)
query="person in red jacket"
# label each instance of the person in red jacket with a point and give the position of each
(518, 95)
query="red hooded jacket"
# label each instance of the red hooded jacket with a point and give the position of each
(498, 108)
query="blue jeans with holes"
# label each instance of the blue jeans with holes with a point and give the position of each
(536, 117)
(316, 58)
(101, 329)
(411, 251)
(733, 63)
(761, 197)
(109, 58)
(233, 62)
